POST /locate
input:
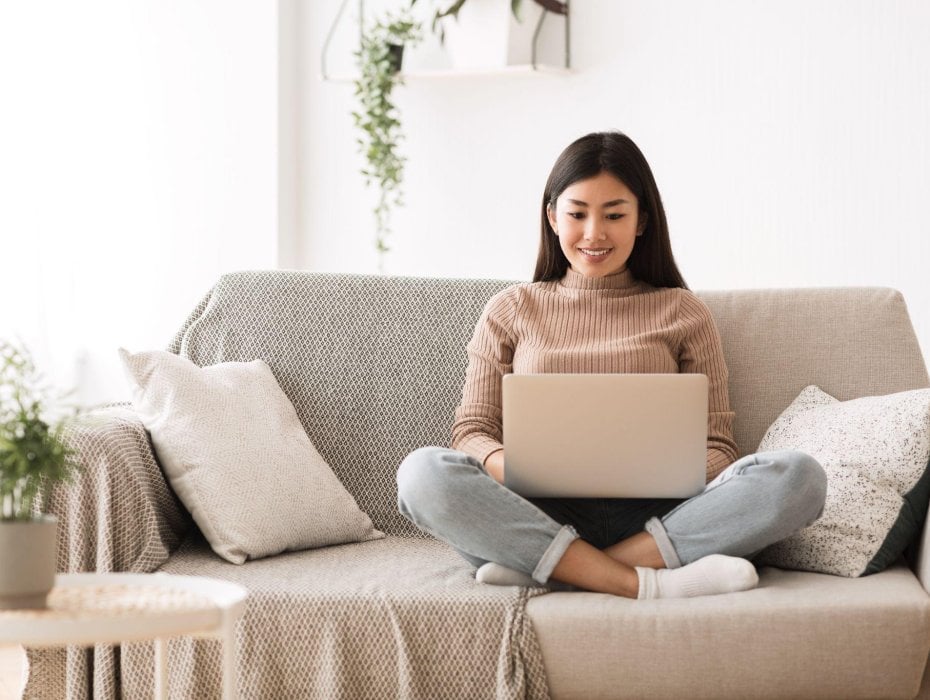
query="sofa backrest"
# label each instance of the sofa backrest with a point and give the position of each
(849, 341)
(374, 365)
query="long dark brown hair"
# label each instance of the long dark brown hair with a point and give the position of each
(613, 152)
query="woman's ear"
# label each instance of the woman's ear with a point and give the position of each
(641, 224)
(550, 214)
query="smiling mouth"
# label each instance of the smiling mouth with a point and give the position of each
(595, 252)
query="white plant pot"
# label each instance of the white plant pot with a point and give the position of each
(27, 562)
(487, 35)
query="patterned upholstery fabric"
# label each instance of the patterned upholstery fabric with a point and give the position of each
(373, 365)
(395, 618)
(119, 515)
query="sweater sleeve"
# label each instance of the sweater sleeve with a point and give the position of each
(701, 352)
(478, 427)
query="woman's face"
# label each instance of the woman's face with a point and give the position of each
(597, 221)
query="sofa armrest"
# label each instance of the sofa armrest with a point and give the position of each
(119, 513)
(919, 556)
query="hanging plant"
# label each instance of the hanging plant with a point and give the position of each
(379, 60)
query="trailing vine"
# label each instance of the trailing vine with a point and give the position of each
(379, 59)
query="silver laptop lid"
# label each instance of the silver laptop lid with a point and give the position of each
(605, 435)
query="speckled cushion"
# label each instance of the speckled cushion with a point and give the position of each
(236, 454)
(875, 451)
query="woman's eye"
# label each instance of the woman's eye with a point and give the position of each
(576, 214)
(614, 217)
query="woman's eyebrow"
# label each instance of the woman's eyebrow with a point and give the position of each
(611, 203)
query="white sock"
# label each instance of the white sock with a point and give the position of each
(499, 575)
(502, 576)
(710, 575)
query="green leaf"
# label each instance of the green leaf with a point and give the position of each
(33, 451)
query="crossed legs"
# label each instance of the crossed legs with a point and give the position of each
(757, 501)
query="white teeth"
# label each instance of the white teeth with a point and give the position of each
(586, 251)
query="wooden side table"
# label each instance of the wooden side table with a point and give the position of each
(88, 609)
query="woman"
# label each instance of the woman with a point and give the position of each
(606, 297)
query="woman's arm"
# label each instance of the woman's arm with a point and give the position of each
(494, 466)
(702, 352)
(477, 429)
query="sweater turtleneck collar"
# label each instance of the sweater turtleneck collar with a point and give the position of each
(617, 281)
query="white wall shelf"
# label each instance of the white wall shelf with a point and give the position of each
(525, 69)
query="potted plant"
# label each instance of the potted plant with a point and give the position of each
(379, 58)
(484, 37)
(33, 457)
(557, 6)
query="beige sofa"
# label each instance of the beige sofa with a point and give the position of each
(374, 366)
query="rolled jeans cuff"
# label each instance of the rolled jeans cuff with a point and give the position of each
(655, 528)
(564, 537)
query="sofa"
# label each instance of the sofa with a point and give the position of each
(374, 366)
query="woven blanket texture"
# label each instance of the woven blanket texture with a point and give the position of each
(396, 618)
(374, 367)
(118, 515)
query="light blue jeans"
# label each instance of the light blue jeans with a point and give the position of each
(756, 501)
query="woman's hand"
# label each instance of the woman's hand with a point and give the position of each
(494, 465)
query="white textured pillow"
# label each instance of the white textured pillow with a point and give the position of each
(875, 452)
(237, 456)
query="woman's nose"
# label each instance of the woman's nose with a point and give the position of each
(594, 230)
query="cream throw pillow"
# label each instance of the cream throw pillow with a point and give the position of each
(875, 451)
(237, 456)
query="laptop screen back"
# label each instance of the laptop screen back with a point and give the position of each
(605, 435)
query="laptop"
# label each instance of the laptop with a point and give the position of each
(605, 435)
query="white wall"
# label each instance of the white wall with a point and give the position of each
(149, 146)
(789, 141)
(139, 162)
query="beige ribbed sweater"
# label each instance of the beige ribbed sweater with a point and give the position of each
(591, 325)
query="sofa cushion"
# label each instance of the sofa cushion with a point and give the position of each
(393, 618)
(875, 451)
(237, 456)
(798, 635)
